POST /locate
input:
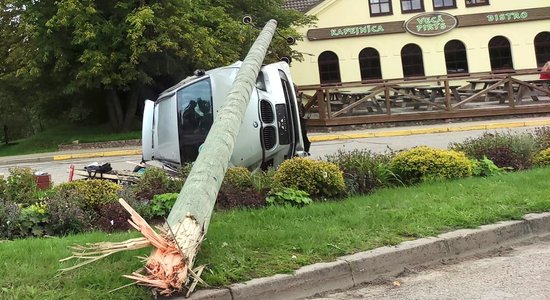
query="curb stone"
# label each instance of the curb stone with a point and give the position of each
(353, 270)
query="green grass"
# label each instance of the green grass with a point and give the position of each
(48, 140)
(245, 244)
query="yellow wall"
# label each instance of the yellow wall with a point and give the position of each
(333, 13)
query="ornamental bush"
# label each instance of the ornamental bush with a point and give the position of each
(363, 170)
(542, 159)
(93, 192)
(21, 187)
(67, 213)
(155, 181)
(506, 150)
(241, 188)
(239, 177)
(542, 137)
(320, 179)
(425, 163)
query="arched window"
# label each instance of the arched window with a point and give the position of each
(542, 48)
(500, 54)
(329, 67)
(411, 60)
(455, 57)
(369, 64)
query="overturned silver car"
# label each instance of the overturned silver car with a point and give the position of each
(175, 126)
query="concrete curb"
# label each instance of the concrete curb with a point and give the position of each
(353, 270)
(332, 137)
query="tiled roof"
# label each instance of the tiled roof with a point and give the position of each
(301, 5)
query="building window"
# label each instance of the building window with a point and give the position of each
(411, 60)
(455, 57)
(369, 64)
(500, 54)
(380, 7)
(542, 48)
(476, 2)
(444, 4)
(329, 67)
(410, 6)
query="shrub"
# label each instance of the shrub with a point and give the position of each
(289, 196)
(2, 187)
(242, 189)
(485, 167)
(542, 159)
(93, 192)
(239, 177)
(155, 181)
(542, 137)
(363, 170)
(231, 196)
(504, 149)
(161, 204)
(9, 219)
(319, 179)
(184, 170)
(67, 214)
(33, 220)
(112, 217)
(262, 180)
(424, 163)
(21, 186)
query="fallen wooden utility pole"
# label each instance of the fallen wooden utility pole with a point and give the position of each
(170, 266)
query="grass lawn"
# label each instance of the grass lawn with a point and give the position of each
(244, 244)
(48, 140)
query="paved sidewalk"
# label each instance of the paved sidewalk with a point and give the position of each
(314, 137)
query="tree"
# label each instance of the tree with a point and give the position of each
(125, 51)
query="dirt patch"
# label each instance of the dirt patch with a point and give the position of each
(100, 145)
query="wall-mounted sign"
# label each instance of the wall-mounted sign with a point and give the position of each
(354, 30)
(430, 24)
(509, 16)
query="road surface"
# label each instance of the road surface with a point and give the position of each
(522, 272)
(59, 169)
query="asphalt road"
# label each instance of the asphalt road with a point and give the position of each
(59, 169)
(522, 272)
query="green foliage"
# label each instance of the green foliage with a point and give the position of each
(319, 179)
(485, 167)
(9, 219)
(184, 170)
(542, 137)
(542, 159)
(263, 180)
(33, 220)
(21, 186)
(93, 192)
(67, 211)
(98, 51)
(363, 170)
(289, 196)
(238, 177)
(504, 149)
(424, 163)
(161, 204)
(2, 187)
(155, 181)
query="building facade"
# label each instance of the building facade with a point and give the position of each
(357, 40)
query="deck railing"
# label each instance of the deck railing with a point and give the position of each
(431, 97)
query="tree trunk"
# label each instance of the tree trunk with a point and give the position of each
(131, 107)
(114, 109)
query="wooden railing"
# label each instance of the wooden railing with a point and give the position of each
(433, 97)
